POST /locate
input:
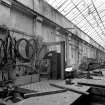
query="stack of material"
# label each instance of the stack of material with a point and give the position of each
(89, 64)
(102, 65)
(81, 74)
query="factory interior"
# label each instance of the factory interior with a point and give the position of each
(52, 52)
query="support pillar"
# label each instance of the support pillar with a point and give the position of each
(62, 59)
(39, 30)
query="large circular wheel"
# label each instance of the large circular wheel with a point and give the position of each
(25, 49)
(30, 48)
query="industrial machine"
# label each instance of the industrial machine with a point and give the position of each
(55, 64)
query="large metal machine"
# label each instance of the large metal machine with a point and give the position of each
(55, 64)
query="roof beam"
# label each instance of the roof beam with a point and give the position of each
(79, 13)
(97, 13)
(65, 7)
(87, 21)
(92, 11)
(61, 4)
(91, 19)
(72, 9)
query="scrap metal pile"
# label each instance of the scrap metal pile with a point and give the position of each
(91, 67)
(10, 49)
(13, 50)
(91, 64)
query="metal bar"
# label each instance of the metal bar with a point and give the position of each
(72, 14)
(5, 4)
(94, 10)
(97, 22)
(62, 4)
(99, 7)
(72, 9)
(84, 19)
(58, 3)
(92, 84)
(65, 7)
(101, 11)
(88, 29)
(80, 13)
(97, 13)
(28, 95)
(79, 21)
(70, 89)
(88, 21)
(85, 26)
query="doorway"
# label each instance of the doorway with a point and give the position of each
(57, 60)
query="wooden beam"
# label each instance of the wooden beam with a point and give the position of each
(43, 93)
(92, 84)
(70, 89)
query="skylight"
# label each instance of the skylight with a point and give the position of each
(88, 15)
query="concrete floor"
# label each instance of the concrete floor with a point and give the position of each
(64, 98)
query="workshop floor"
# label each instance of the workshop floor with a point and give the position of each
(64, 98)
(44, 86)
